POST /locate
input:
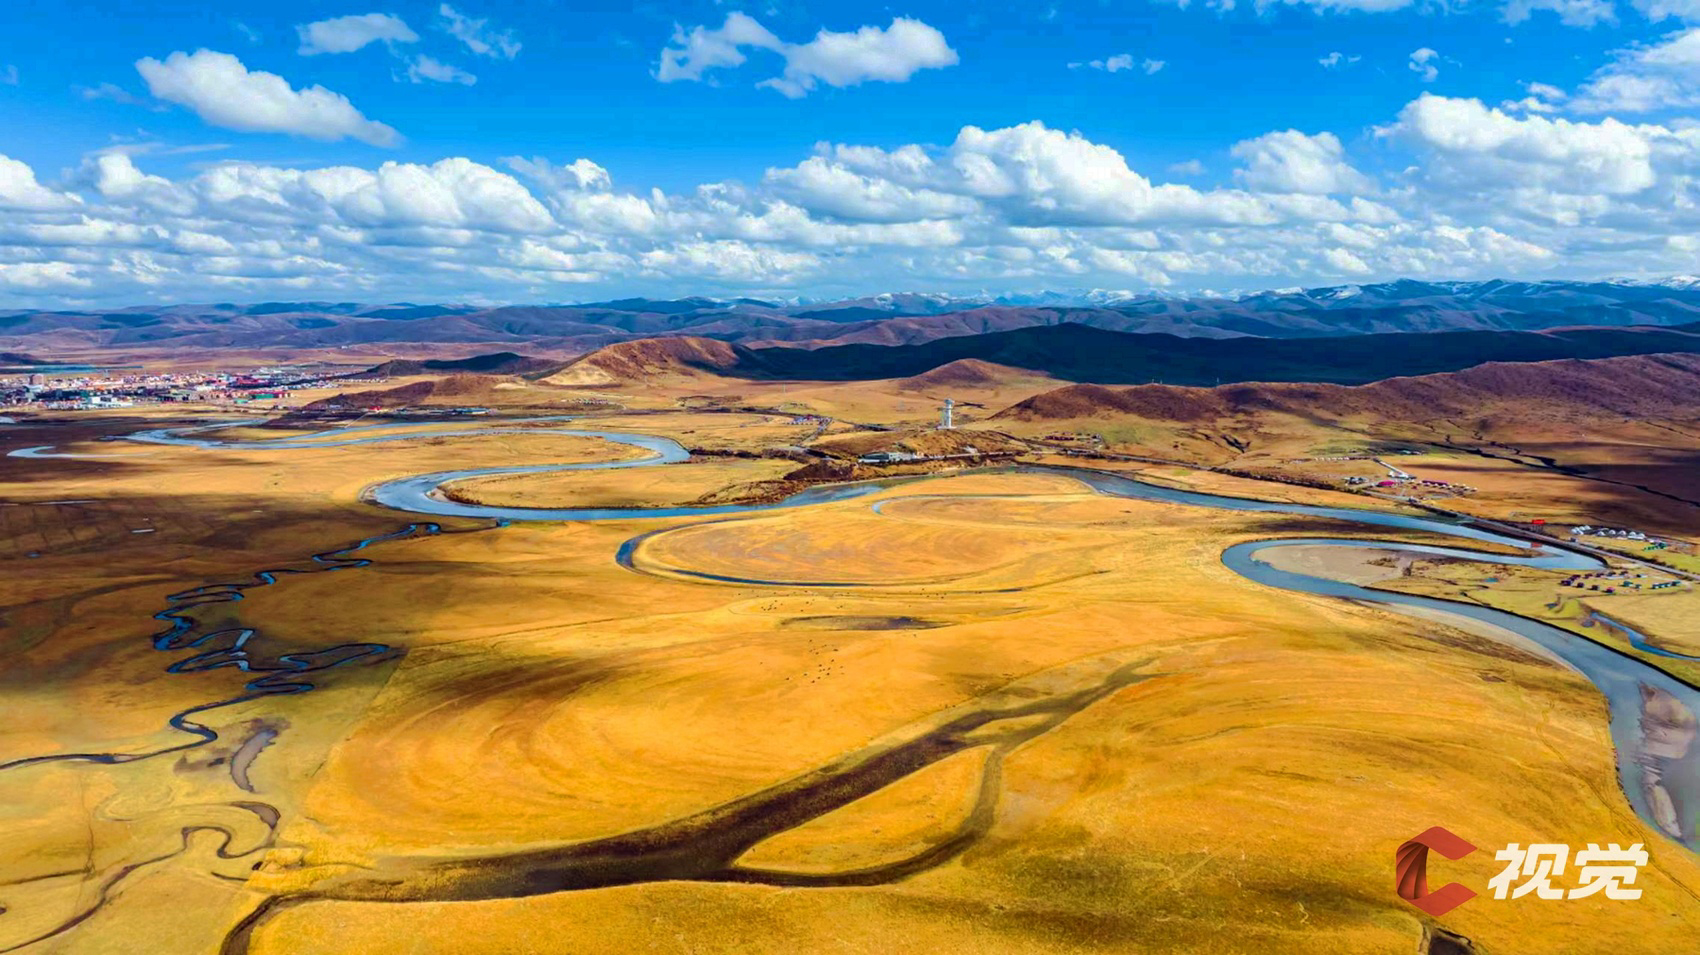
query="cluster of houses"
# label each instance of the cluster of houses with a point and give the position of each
(1447, 486)
(968, 453)
(1581, 581)
(1360, 456)
(1402, 480)
(1607, 583)
(86, 402)
(887, 457)
(901, 457)
(86, 392)
(1617, 533)
(1399, 478)
(1589, 530)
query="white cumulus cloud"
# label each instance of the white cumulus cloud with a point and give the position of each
(478, 35)
(1334, 6)
(869, 54)
(1422, 63)
(1659, 76)
(117, 94)
(890, 54)
(20, 191)
(821, 185)
(225, 93)
(1656, 10)
(578, 174)
(452, 193)
(730, 259)
(1571, 13)
(423, 69)
(1119, 63)
(1344, 262)
(42, 276)
(1491, 166)
(1542, 98)
(703, 48)
(347, 34)
(1291, 161)
(1474, 192)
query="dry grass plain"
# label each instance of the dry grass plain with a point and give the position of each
(642, 488)
(1022, 718)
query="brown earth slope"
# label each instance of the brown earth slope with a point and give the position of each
(1633, 385)
(505, 391)
(647, 359)
(1614, 440)
(496, 363)
(968, 373)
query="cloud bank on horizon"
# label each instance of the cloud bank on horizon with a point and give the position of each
(437, 151)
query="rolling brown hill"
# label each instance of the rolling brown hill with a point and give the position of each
(401, 396)
(1631, 385)
(968, 373)
(496, 363)
(1613, 440)
(649, 358)
(469, 389)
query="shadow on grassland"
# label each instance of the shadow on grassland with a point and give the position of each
(706, 846)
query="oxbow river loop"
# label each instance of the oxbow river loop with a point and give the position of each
(1650, 709)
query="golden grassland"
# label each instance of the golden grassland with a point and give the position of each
(1670, 619)
(639, 488)
(1222, 802)
(719, 431)
(1240, 786)
(893, 402)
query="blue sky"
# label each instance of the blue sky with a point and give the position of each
(538, 151)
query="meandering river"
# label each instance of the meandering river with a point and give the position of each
(1652, 714)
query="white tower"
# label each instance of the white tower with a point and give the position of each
(947, 417)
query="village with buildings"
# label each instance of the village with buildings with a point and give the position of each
(95, 389)
(1398, 479)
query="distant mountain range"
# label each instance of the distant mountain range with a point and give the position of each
(896, 319)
